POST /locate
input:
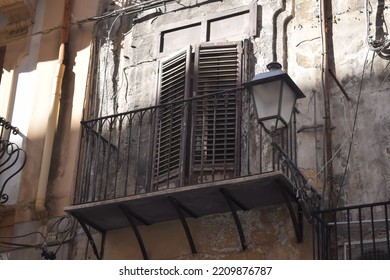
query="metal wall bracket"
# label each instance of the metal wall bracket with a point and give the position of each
(339, 85)
(98, 255)
(297, 219)
(231, 201)
(130, 219)
(179, 207)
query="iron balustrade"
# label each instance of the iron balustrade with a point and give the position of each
(118, 153)
(12, 158)
(354, 232)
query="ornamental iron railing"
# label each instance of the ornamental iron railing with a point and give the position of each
(181, 144)
(12, 157)
(353, 233)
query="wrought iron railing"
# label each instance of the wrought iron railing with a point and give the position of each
(121, 155)
(352, 233)
(12, 158)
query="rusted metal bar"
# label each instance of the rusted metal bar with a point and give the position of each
(339, 85)
(326, 36)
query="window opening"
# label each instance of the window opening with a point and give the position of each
(212, 147)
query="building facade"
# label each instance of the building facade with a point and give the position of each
(127, 132)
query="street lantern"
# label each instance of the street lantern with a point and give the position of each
(274, 94)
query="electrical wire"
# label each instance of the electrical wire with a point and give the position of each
(24, 235)
(11, 246)
(69, 228)
(382, 49)
(387, 76)
(353, 129)
(20, 246)
(331, 159)
(56, 223)
(132, 9)
(350, 138)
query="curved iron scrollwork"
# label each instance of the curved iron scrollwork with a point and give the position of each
(12, 158)
(306, 195)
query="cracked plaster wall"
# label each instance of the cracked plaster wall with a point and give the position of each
(359, 71)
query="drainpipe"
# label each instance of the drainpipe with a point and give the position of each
(40, 207)
(11, 101)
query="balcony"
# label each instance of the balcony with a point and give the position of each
(185, 158)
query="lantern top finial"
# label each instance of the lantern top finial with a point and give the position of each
(274, 65)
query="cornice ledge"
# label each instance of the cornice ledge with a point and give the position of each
(19, 14)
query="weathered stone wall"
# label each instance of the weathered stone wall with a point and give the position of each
(364, 76)
(269, 234)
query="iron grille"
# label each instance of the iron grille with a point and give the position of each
(353, 232)
(12, 158)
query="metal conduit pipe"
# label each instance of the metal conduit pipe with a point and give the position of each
(327, 128)
(40, 207)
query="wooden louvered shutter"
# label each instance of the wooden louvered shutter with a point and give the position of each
(216, 119)
(171, 121)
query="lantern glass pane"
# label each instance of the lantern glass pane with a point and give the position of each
(288, 102)
(266, 97)
(271, 124)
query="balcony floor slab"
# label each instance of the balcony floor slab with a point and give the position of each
(203, 199)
